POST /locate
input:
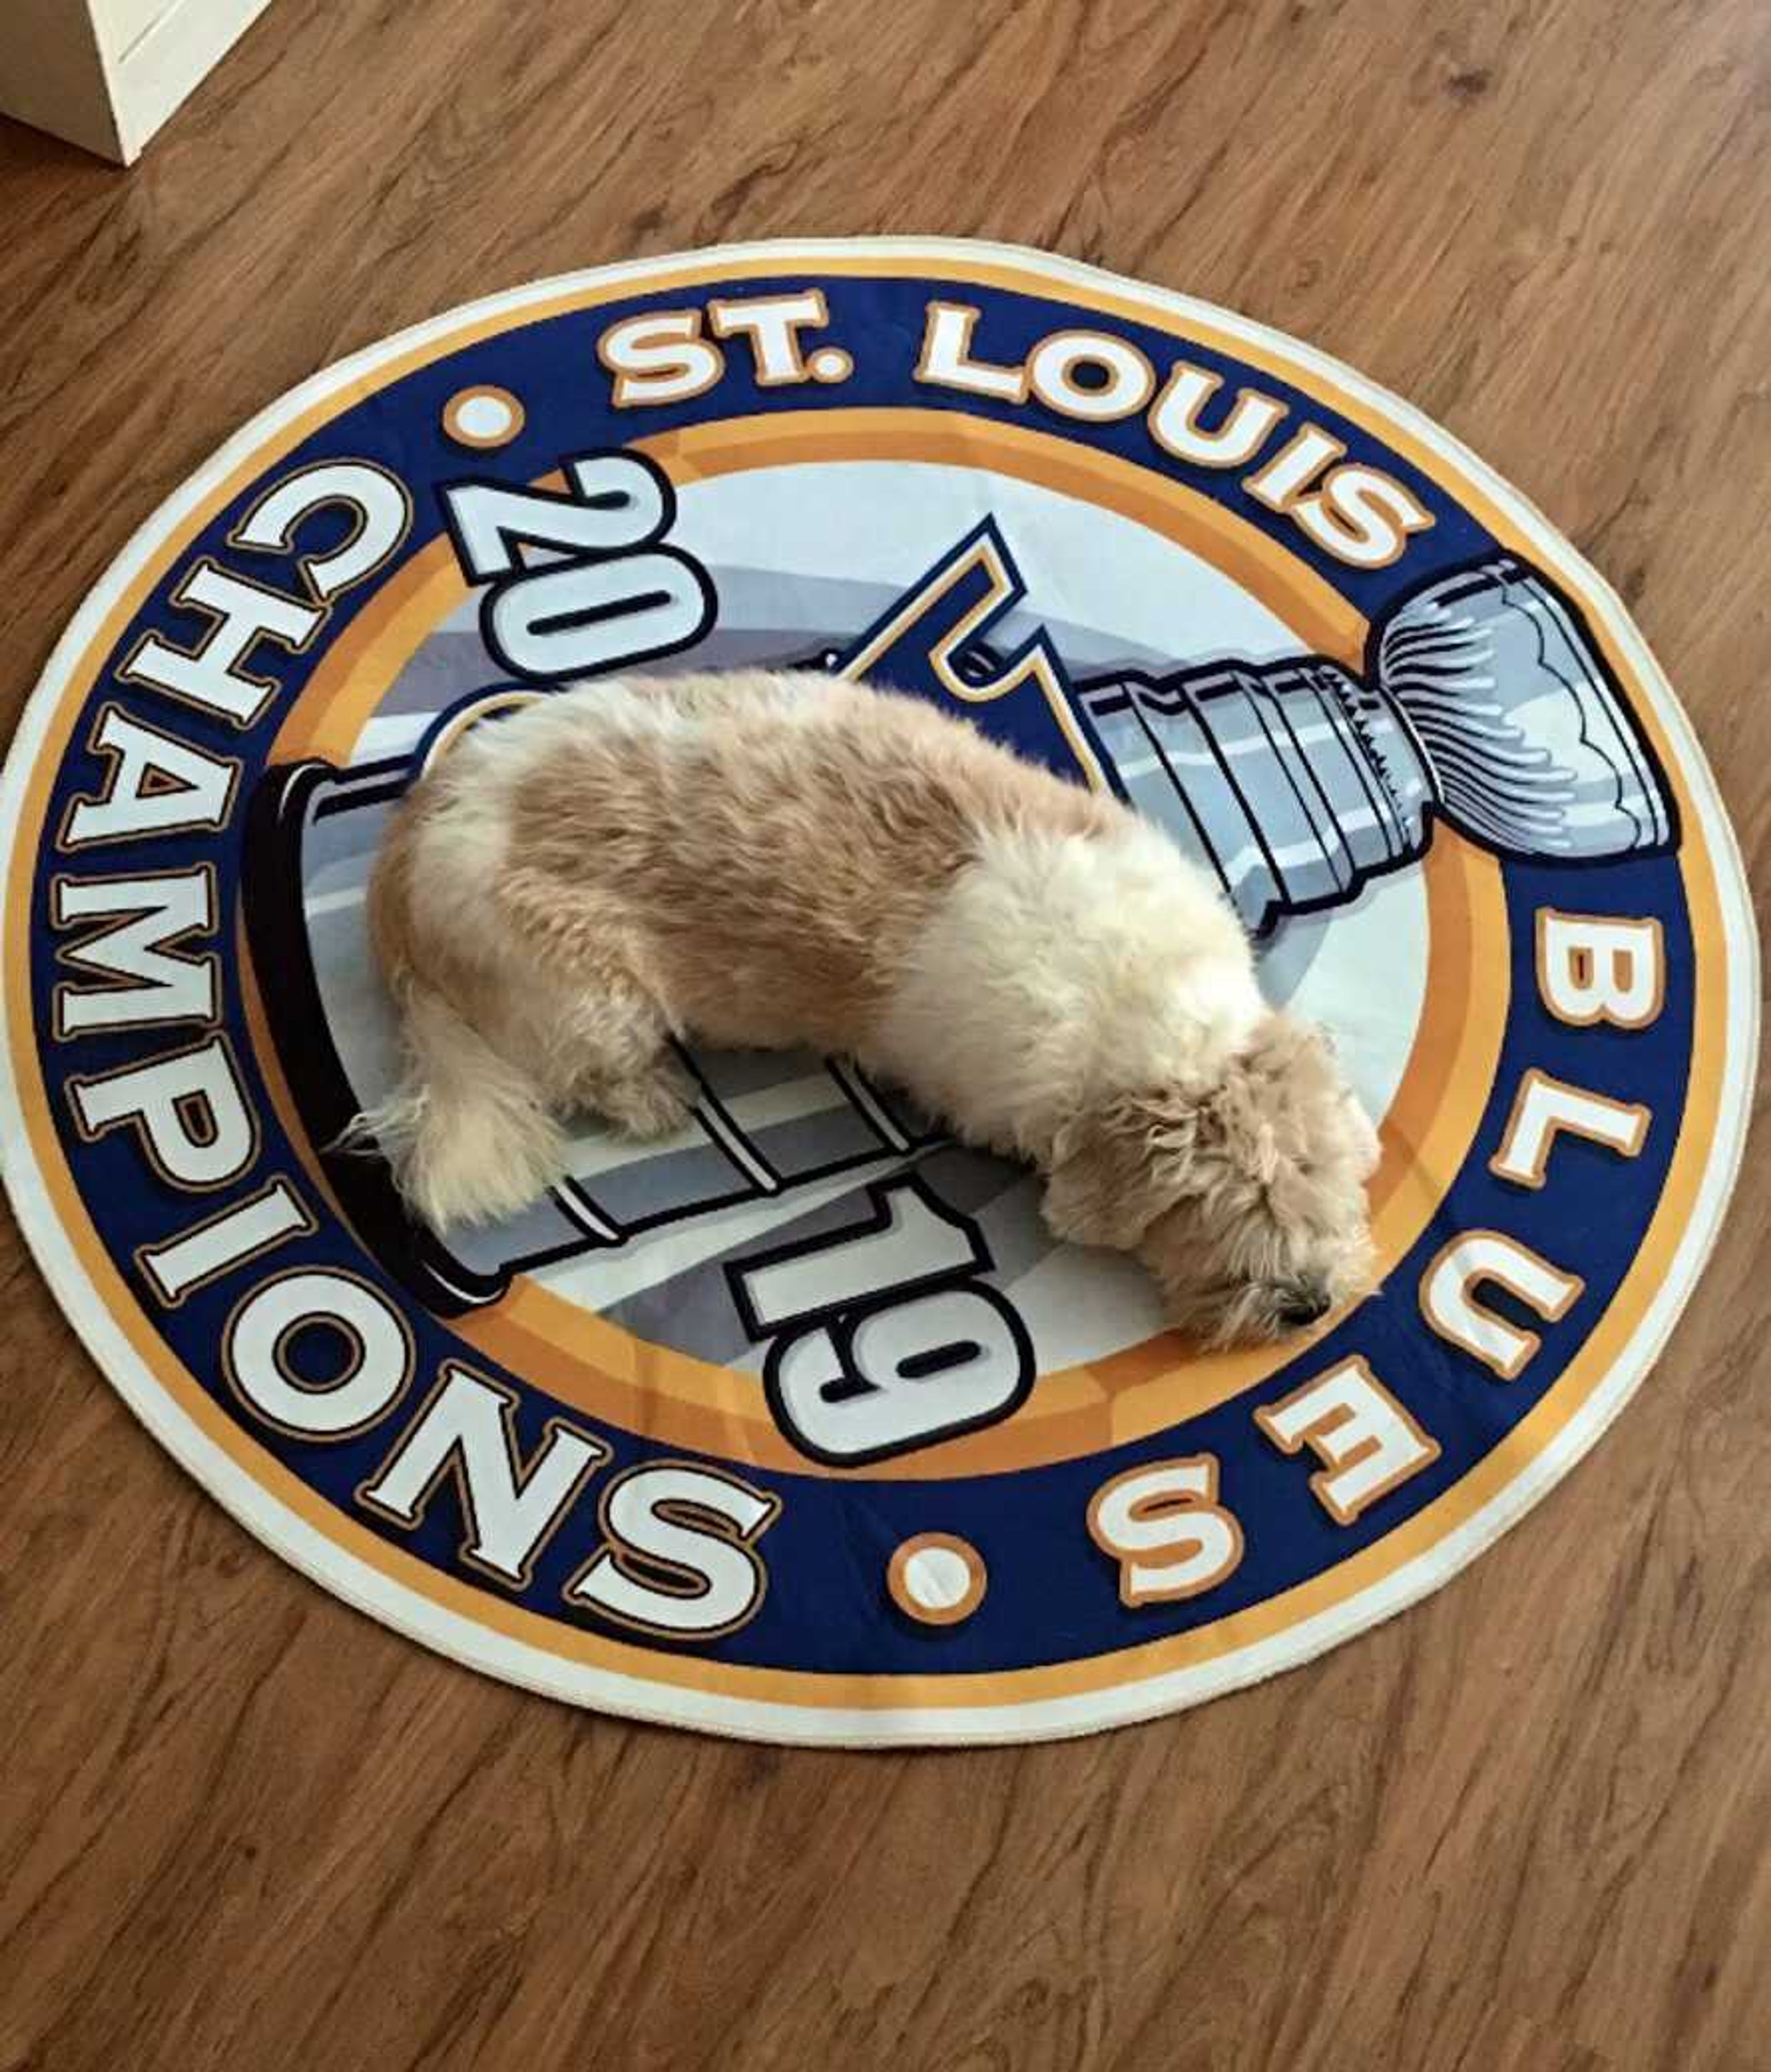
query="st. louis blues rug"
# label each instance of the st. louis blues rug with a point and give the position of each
(798, 1426)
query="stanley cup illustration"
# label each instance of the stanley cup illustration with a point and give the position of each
(1482, 703)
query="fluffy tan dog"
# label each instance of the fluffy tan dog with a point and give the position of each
(766, 860)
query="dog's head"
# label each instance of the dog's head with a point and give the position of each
(1244, 1194)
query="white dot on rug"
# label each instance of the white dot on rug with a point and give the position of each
(937, 1579)
(483, 417)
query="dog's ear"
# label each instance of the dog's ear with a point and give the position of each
(1116, 1168)
(1240, 1118)
(1287, 1071)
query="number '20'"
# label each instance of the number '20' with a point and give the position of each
(599, 591)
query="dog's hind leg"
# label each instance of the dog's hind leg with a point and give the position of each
(610, 1053)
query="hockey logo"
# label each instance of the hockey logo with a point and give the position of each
(800, 1424)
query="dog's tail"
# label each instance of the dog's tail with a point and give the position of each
(469, 1134)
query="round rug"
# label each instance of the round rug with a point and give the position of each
(798, 1426)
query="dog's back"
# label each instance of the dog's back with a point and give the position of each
(764, 848)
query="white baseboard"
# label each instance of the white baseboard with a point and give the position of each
(163, 66)
(106, 74)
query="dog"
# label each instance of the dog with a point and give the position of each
(764, 859)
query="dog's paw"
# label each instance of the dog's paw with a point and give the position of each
(480, 1164)
(464, 1154)
(660, 1104)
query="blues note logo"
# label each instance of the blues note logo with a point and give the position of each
(1482, 703)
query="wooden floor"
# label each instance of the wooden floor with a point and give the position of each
(1525, 1828)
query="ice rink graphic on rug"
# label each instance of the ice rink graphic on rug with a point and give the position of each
(804, 1408)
